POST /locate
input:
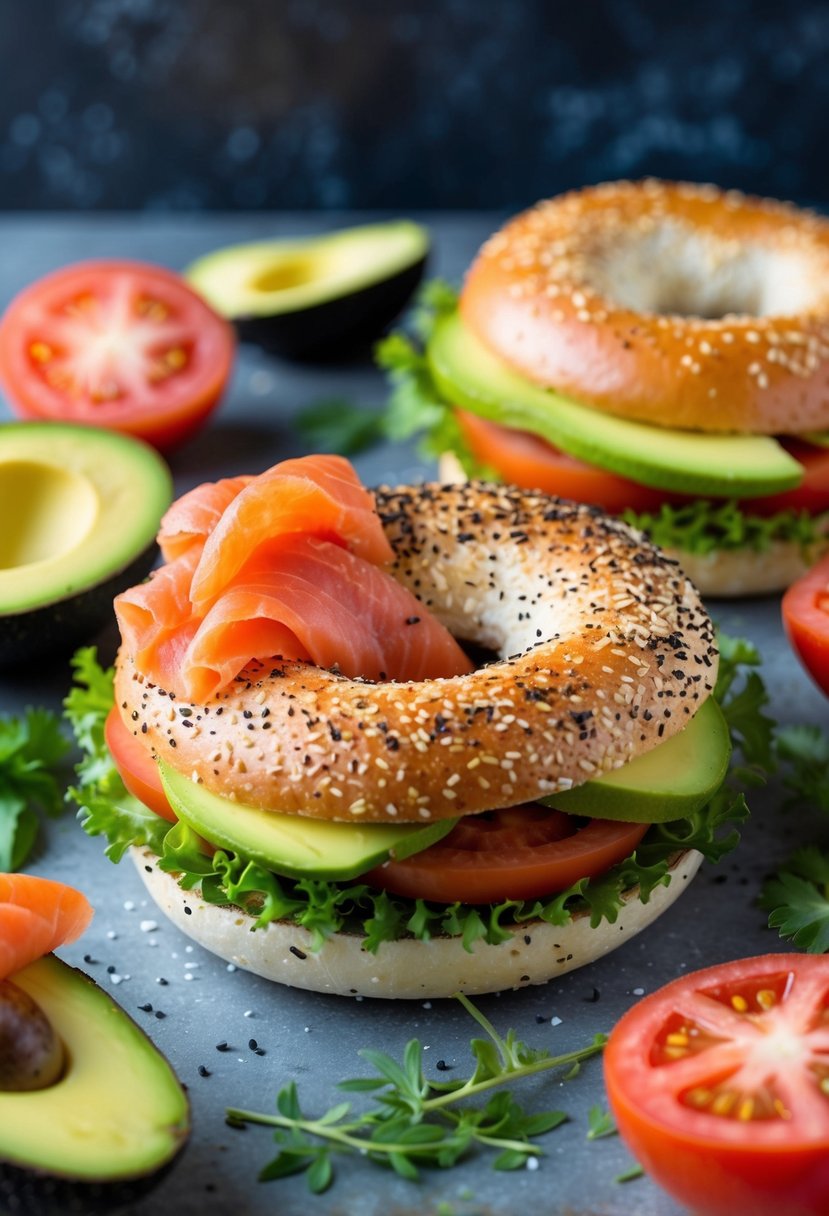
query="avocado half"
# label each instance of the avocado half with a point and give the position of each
(80, 508)
(323, 297)
(105, 1130)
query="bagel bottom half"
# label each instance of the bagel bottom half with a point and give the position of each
(409, 969)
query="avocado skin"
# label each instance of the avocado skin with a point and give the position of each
(59, 627)
(31, 1193)
(339, 329)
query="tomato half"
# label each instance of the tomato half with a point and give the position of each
(137, 768)
(115, 344)
(526, 460)
(719, 1083)
(806, 621)
(523, 852)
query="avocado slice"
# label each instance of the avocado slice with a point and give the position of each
(688, 462)
(80, 508)
(295, 845)
(669, 782)
(115, 1117)
(319, 297)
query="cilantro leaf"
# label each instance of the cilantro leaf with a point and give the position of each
(798, 900)
(31, 747)
(804, 753)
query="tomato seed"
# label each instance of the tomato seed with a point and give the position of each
(739, 1003)
(766, 998)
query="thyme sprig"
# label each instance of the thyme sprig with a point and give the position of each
(415, 1121)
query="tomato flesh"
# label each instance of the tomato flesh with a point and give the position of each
(805, 610)
(719, 1083)
(137, 768)
(116, 344)
(523, 852)
(527, 460)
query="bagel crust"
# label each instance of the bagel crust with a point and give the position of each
(605, 649)
(673, 304)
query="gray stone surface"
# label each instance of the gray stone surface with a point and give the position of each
(315, 1039)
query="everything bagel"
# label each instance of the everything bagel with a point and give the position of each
(604, 650)
(412, 835)
(673, 304)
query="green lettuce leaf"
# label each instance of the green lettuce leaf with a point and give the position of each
(704, 527)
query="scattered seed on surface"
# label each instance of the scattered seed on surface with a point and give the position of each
(159, 1013)
(203, 1072)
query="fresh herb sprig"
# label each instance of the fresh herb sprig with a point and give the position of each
(797, 896)
(416, 1121)
(31, 748)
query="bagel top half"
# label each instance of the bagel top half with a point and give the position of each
(673, 304)
(604, 651)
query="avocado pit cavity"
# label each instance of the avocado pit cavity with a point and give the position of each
(32, 1056)
(47, 510)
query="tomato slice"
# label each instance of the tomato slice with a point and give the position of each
(522, 852)
(719, 1083)
(116, 344)
(527, 460)
(806, 621)
(137, 768)
(811, 495)
(524, 459)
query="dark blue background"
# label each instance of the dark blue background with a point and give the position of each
(405, 103)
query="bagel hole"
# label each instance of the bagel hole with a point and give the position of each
(481, 656)
(674, 271)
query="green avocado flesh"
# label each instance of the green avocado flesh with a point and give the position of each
(293, 845)
(669, 782)
(267, 278)
(78, 505)
(688, 462)
(116, 1113)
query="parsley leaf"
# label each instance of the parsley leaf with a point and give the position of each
(804, 753)
(798, 900)
(31, 746)
(337, 425)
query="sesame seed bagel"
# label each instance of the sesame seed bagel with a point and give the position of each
(673, 304)
(604, 650)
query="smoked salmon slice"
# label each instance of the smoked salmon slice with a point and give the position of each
(36, 916)
(320, 495)
(190, 520)
(301, 597)
(286, 565)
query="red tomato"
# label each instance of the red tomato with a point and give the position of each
(520, 853)
(719, 1083)
(136, 766)
(526, 460)
(115, 344)
(523, 459)
(806, 621)
(811, 495)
